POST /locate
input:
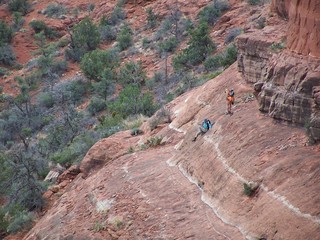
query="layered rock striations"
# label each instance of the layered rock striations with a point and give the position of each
(286, 72)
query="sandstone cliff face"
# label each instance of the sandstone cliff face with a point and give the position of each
(288, 80)
(303, 25)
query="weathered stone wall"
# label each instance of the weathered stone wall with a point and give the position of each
(303, 25)
(287, 80)
(254, 57)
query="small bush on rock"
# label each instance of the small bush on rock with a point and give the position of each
(39, 26)
(6, 33)
(7, 56)
(55, 10)
(96, 105)
(124, 38)
(18, 6)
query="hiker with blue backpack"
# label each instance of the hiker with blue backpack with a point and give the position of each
(205, 126)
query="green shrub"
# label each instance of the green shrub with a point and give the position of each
(85, 37)
(18, 6)
(33, 79)
(77, 90)
(99, 226)
(106, 86)
(154, 141)
(91, 7)
(59, 66)
(158, 77)
(168, 45)
(6, 33)
(75, 150)
(130, 150)
(116, 16)
(254, 2)
(96, 105)
(7, 56)
(232, 34)
(222, 5)
(145, 42)
(209, 76)
(134, 121)
(225, 59)
(151, 18)
(169, 97)
(107, 33)
(132, 101)
(39, 26)
(230, 55)
(75, 54)
(46, 100)
(213, 63)
(4, 221)
(86, 34)
(17, 20)
(23, 220)
(14, 219)
(3, 72)
(136, 132)
(199, 47)
(95, 64)
(67, 155)
(165, 27)
(132, 73)
(209, 14)
(111, 124)
(55, 10)
(63, 42)
(124, 38)
(249, 189)
(277, 46)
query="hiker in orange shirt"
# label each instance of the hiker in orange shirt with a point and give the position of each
(230, 100)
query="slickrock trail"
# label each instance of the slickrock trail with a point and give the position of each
(152, 199)
(184, 189)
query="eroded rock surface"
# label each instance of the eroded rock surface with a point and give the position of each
(146, 196)
(287, 76)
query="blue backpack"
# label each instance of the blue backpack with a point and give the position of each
(206, 124)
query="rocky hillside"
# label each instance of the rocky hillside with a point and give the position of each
(254, 175)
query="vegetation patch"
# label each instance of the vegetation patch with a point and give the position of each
(55, 10)
(124, 37)
(199, 47)
(85, 37)
(277, 46)
(250, 189)
(211, 13)
(39, 26)
(21, 6)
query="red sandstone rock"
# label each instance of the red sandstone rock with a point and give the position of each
(69, 174)
(303, 18)
(156, 198)
(48, 194)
